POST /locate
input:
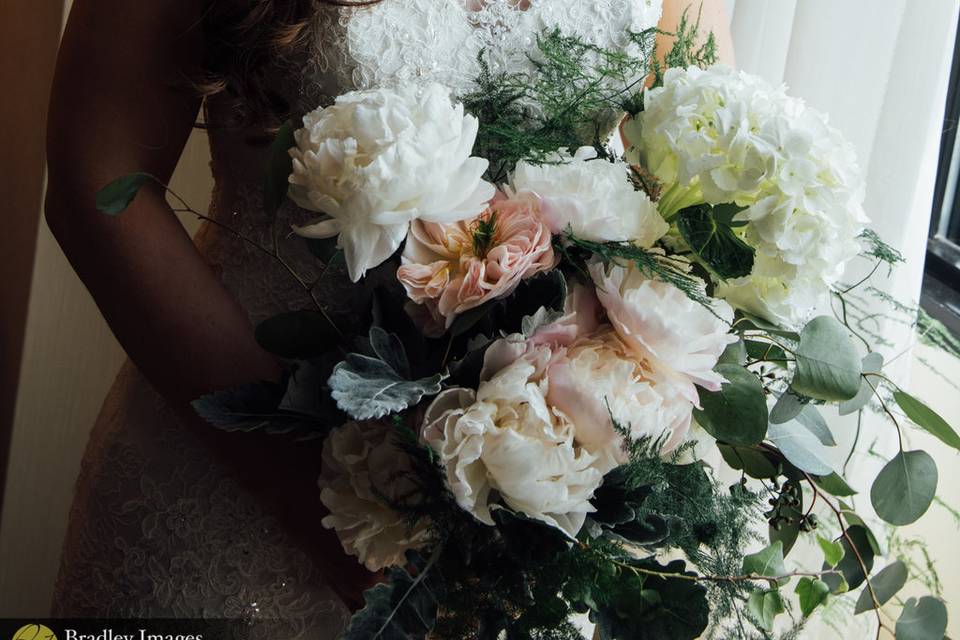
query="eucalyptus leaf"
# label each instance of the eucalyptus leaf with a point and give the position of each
(926, 418)
(754, 462)
(801, 448)
(811, 592)
(279, 167)
(872, 363)
(788, 406)
(750, 321)
(810, 418)
(827, 364)
(905, 487)
(114, 198)
(765, 606)
(923, 619)
(885, 584)
(715, 242)
(738, 412)
(835, 485)
(849, 566)
(735, 353)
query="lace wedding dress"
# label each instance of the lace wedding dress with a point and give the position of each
(158, 528)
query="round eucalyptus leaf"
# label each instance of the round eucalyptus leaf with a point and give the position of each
(738, 412)
(905, 487)
(828, 366)
(923, 619)
(886, 584)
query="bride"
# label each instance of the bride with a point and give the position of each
(173, 519)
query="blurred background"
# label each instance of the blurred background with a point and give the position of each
(885, 71)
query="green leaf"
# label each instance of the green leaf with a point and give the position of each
(765, 606)
(367, 387)
(811, 592)
(886, 584)
(827, 367)
(298, 334)
(114, 198)
(788, 406)
(835, 485)
(738, 412)
(279, 167)
(814, 422)
(832, 551)
(925, 417)
(799, 446)
(735, 353)
(764, 350)
(753, 462)
(325, 249)
(748, 321)
(872, 363)
(767, 562)
(905, 487)
(849, 566)
(713, 239)
(923, 619)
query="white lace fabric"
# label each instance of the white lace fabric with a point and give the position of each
(160, 529)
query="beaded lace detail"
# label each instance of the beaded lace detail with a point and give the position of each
(159, 528)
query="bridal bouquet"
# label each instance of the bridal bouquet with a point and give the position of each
(573, 346)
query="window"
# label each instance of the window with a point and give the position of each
(941, 280)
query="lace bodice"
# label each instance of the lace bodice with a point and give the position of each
(399, 41)
(159, 528)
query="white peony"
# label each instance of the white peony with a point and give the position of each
(680, 340)
(594, 198)
(505, 439)
(360, 467)
(375, 160)
(720, 136)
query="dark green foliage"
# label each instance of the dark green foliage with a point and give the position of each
(711, 236)
(878, 249)
(645, 606)
(278, 170)
(686, 50)
(297, 335)
(572, 98)
(505, 315)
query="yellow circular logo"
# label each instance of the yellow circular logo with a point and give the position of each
(34, 632)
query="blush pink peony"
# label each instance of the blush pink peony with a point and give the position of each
(451, 268)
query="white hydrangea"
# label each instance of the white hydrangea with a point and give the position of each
(375, 160)
(361, 466)
(592, 197)
(720, 136)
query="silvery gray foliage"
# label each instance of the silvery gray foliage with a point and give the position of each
(377, 385)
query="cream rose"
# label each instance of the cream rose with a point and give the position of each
(361, 466)
(505, 439)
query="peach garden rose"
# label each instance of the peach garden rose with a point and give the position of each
(451, 268)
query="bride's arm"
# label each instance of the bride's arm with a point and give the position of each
(713, 17)
(122, 103)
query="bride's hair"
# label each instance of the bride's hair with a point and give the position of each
(244, 37)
